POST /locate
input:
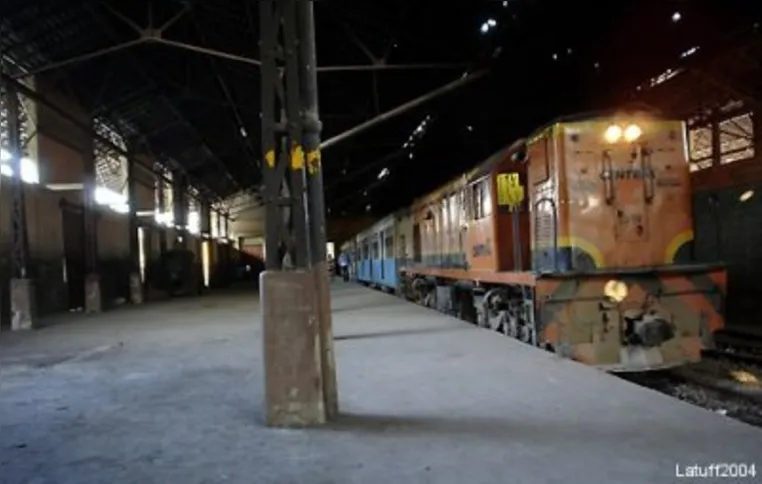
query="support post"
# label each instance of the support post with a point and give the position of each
(294, 302)
(218, 221)
(162, 209)
(226, 226)
(136, 282)
(206, 243)
(219, 251)
(180, 209)
(23, 301)
(316, 200)
(93, 298)
(716, 136)
(205, 216)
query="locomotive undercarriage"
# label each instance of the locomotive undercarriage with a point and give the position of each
(640, 333)
(507, 310)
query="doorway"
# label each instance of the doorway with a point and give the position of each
(73, 220)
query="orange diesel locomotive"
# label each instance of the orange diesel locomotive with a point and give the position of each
(577, 239)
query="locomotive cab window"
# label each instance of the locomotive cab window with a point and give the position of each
(481, 199)
(486, 197)
(445, 222)
(452, 202)
(463, 215)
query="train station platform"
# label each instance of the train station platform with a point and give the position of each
(172, 392)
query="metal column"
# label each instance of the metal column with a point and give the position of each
(180, 209)
(283, 163)
(22, 288)
(132, 201)
(20, 249)
(161, 210)
(205, 215)
(315, 198)
(292, 300)
(136, 281)
(218, 221)
(93, 301)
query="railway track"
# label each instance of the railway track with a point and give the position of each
(737, 344)
(712, 393)
(728, 380)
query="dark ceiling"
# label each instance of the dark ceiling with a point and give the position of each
(546, 58)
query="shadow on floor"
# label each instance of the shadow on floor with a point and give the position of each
(402, 332)
(545, 431)
(337, 307)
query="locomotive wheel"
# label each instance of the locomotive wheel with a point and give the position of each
(497, 324)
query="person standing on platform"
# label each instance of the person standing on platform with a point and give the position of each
(344, 266)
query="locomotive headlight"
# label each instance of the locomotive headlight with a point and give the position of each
(632, 133)
(613, 133)
(616, 291)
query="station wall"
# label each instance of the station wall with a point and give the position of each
(728, 224)
(55, 221)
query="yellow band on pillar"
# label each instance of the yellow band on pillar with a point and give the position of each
(313, 161)
(297, 157)
(270, 158)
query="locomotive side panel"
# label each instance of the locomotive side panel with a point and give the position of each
(439, 228)
(427, 221)
(480, 244)
(404, 239)
(545, 224)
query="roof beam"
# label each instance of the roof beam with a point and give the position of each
(154, 36)
(81, 58)
(203, 50)
(379, 63)
(389, 67)
(466, 79)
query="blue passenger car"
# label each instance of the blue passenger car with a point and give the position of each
(377, 255)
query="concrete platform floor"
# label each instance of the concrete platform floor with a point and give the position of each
(172, 393)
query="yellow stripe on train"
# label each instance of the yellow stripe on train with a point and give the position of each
(679, 240)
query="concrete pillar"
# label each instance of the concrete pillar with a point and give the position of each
(23, 304)
(93, 298)
(136, 288)
(292, 347)
(325, 323)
